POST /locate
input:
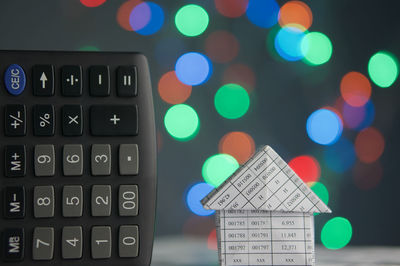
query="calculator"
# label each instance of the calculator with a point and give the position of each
(78, 155)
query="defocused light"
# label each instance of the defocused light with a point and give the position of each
(355, 89)
(336, 233)
(195, 194)
(340, 156)
(92, 3)
(198, 226)
(212, 240)
(324, 127)
(263, 13)
(168, 50)
(173, 91)
(146, 18)
(358, 117)
(240, 74)
(306, 167)
(316, 48)
(193, 68)
(238, 144)
(231, 8)
(232, 101)
(295, 14)
(367, 176)
(321, 191)
(288, 43)
(89, 48)
(124, 13)
(182, 122)
(369, 145)
(217, 168)
(383, 69)
(221, 46)
(191, 20)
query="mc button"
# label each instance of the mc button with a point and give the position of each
(14, 79)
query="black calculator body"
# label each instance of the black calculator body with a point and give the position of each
(78, 155)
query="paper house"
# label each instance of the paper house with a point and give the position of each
(265, 214)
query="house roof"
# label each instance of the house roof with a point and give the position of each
(265, 182)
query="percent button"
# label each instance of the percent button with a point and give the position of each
(43, 120)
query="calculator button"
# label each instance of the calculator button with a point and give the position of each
(14, 244)
(43, 80)
(44, 157)
(101, 200)
(43, 120)
(71, 80)
(72, 122)
(14, 202)
(101, 242)
(114, 120)
(71, 247)
(128, 159)
(72, 201)
(73, 160)
(128, 200)
(15, 118)
(15, 79)
(128, 241)
(15, 160)
(43, 243)
(126, 81)
(43, 201)
(99, 81)
(101, 159)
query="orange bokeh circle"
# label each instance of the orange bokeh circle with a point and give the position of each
(172, 90)
(295, 14)
(124, 12)
(238, 144)
(369, 145)
(221, 46)
(355, 89)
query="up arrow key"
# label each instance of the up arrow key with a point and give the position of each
(43, 80)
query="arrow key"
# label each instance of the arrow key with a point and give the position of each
(43, 80)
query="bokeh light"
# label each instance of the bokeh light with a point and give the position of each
(199, 226)
(321, 191)
(232, 101)
(221, 46)
(193, 68)
(367, 176)
(369, 145)
(355, 89)
(231, 8)
(295, 14)
(191, 20)
(383, 69)
(306, 167)
(238, 144)
(324, 127)
(173, 91)
(240, 74)
(124, 13)
(182, 122)
(316, 48)
(146, 18)
(217, 168)
(263, 13)
(195, 194)
(92, 3)
(341, 156)
(288, 43)
(358, 117)
(212, 240)
(336, 233)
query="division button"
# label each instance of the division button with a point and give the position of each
(128, 200)
(101, 242)
(43, 80)
(15, 120)
(15, 160)
(14, 244)
(128, 159)
(44, 160)
(71, 247)
(114, 120)
(43, 120)
(126, 81)
(43, 243)
(128, 241)
(101, 200)
(101, 159)
(14, 202)
(15, 79)
(72, 201)
(73, 160)
(71, 80)
(43, 201)
(99, 81)
(72, 120)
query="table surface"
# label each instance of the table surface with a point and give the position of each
(179, 251)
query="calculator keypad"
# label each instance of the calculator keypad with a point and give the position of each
(15, 120)
(72, 120)
(44, 160)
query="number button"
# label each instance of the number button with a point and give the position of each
(128, 242)
(44, 160)
(72, 201)
(13, 243)
(128, 200)
(71, 242)
(72, 120)
(43, 243)
(14, 202)
(101, 159)
(72, 160)
(43, 201)
(15, 160)
(101, 200)
(43, 120)
(15, 117)
(101, 242)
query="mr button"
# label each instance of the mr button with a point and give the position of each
(14, 79)
(13, 244)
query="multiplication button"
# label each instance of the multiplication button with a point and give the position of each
(72, 120)
(15, 120)
(101, 242)
(71, 247)
(43, 243)
(13, 244)
(15, 160)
